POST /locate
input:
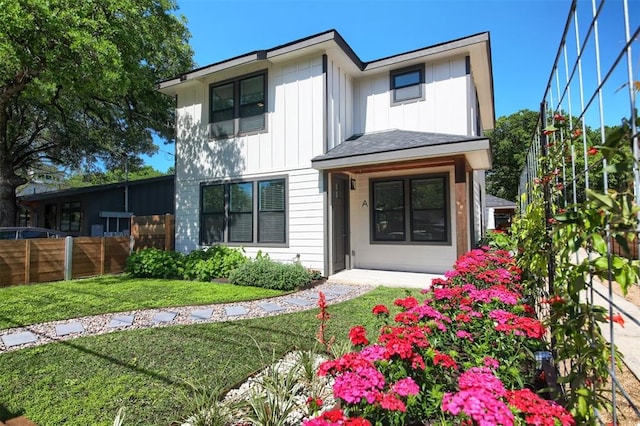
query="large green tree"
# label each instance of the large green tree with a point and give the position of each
(510, 141)
(77, 83)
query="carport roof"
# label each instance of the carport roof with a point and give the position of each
(403, 145)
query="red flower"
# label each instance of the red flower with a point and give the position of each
(380, 310)
(314, 402)
(618, 319)
(552, 220)
(592, 151)
(407, 302)
(576, 133)
(558, 117)
(391, 403)
(358, 335)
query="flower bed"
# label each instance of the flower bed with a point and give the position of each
(463, 355)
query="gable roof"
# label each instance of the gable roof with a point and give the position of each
(92, 189)
(476, 46)
(403, 145)
(493, 201)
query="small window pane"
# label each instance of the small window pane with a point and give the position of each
(212, 228)
(222, 97)
(213, 199)
(241, 197)
(252, 90)
(405, 93)
(406, 79)
(272, 195)
(271, 215)
(388, 218)
(241, 212)
(428, 210)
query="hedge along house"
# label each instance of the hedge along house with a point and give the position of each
(305, 152)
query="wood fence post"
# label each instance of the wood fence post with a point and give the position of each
(168, 232)
(27, 261)
(103, 254)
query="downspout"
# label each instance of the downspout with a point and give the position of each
(325, 177)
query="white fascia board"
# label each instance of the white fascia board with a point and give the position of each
(477, 153)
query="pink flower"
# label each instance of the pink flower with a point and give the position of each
(462, 334)
(405, 387)
(491, 362)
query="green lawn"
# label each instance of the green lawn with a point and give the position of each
(84, 381)
(35, 303)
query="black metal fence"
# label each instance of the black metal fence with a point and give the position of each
(587, 127)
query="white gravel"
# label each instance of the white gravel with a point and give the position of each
(97, 324)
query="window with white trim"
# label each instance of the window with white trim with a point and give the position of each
(410, 209)
(406, 84)
(238, 106)
(243, 212)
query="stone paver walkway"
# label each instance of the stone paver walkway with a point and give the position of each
(38, 334)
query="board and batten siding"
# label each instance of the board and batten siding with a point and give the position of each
(443, 110)
(339, 103)
(294, 135)
(436, 258)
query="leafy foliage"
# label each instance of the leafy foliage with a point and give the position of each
(563, 248)
(264, 272)
(215, 262)
(77, 83)
(510, 140)
(154, 263)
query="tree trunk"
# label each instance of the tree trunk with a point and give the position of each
(8, 204)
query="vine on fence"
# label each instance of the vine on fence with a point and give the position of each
(579, 240)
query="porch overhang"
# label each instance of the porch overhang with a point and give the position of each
(401, 147)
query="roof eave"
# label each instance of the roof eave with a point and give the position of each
(477, 153)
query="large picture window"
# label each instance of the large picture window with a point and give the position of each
(410, 209)
(238, 106)
(244, 212)
(70, 215)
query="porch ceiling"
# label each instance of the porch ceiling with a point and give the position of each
(399, 148)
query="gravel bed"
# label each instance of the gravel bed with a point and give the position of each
(98, 324)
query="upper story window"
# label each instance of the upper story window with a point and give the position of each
(238, 106)
(406, 84)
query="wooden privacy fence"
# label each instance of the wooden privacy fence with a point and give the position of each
(155, 231)
(44, 260)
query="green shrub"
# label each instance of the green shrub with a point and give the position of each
(214, 262)
(154, 263)
(267, 273)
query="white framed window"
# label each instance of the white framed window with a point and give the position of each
(407, 84)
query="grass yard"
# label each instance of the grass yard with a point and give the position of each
(36, 303)
(85, 381)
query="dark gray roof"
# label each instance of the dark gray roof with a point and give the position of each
(493, 201)
(389, 141)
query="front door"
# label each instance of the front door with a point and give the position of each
(340, 213)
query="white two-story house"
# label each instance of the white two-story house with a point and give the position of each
(305, 152)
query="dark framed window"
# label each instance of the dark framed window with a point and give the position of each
(70, 216)
(238, 106)
(244, 212)
(406, 84)
(410, 209)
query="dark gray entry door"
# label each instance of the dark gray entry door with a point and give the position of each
(340, 232)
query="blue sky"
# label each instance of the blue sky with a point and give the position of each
(524, 35)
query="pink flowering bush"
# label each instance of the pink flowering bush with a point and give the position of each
(461, 355)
